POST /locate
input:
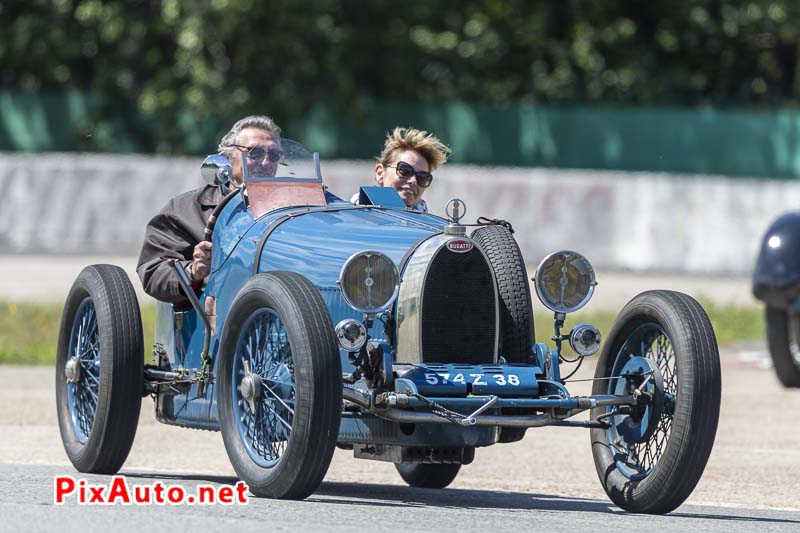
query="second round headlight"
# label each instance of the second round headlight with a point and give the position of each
(584, 339)
(351, 334)
(369, 281)
(564, 281)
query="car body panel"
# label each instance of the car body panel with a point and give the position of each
(776, 277)
(292, 239)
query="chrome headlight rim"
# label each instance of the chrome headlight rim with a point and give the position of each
(576, 343)
(348, 299)
(344, 343)
(540, 290)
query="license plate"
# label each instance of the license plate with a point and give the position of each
(460, 380)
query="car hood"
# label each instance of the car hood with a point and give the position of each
(318, 243)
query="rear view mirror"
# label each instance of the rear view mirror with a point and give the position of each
(216, 169)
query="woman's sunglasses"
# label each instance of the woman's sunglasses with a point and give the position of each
(406, 171)
(257, 153)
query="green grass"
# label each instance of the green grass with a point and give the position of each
(731, 324)
(29, 331)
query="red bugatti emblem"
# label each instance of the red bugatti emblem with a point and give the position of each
(459, 246)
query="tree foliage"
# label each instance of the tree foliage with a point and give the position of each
(179, 62)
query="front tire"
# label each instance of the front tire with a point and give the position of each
(99, 370)
(280, 391)
(650, 460)
(783, 340)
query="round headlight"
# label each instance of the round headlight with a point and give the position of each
(584, 339)
(369, 281)
(565, 281)
(351, 334)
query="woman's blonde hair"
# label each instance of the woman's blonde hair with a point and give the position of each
(431, 149)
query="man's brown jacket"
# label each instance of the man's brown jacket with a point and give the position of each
(173, 233)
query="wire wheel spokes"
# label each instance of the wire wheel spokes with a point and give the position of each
(264, 393)
(638, 459)
(84, 356)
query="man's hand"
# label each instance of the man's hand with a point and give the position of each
(201, 260)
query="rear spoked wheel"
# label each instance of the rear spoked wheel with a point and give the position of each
(99, 370)
(661, 350)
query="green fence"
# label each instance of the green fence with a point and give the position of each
(732, 142)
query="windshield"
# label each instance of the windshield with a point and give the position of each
(285, 160)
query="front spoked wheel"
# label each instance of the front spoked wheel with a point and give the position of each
(280, 392)
(264, 401)
(661, 350)
(638, 439)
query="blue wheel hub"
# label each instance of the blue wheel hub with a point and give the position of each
(645, 367)
(82, 369)
(645, 384)
(264, 388)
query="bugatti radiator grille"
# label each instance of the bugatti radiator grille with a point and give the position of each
(458, 309)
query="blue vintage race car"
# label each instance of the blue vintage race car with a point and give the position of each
(401, 335)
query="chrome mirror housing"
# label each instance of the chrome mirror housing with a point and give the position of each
(216, 169)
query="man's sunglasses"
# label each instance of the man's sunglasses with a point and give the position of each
(257, 153)
(406, 171)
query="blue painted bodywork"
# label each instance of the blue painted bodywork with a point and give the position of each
(329, 235)
(316, 241)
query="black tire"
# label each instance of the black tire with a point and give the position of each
(783, 339)
(294, 465)
(98, 412)
(516, 313)
(428, 476)
(664, 467)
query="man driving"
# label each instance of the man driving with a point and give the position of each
(176, 232)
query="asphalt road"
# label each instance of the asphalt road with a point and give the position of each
(27, 505)
(546, 481)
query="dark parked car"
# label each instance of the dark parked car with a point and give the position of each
(776, 281)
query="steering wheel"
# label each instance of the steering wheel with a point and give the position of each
(212, 220)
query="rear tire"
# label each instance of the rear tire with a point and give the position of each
(651, 460)
(516, 313)
(428, 476)
(783, 339)
(100, 346)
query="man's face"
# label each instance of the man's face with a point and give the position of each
(261, 166)
(407, 187)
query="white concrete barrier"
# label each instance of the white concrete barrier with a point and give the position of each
(99, 204)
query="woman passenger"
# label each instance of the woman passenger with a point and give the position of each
(407, 162)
